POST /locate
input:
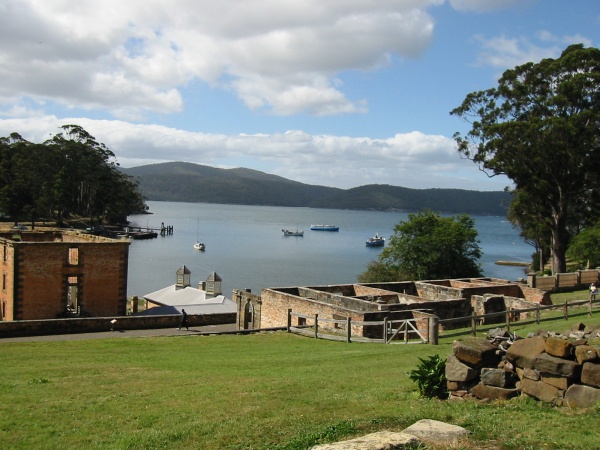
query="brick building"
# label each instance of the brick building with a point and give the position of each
(57, 273)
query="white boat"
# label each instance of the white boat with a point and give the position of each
(293, 233)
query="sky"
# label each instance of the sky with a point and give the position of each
(339, 93)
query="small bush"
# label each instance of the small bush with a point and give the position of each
(430, 377)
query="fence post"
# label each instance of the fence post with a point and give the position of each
(348, 329)
(565, 311)
(289, 324)
(590, 308)
(406, 331)
(316, 326)
(473, 325)
(537, 313)
(508, 318)
(385, 333)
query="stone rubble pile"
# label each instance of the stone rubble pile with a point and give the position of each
(562, 369)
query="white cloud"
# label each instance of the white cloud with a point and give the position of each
(412, 159)
(503, 52)
(130, 57)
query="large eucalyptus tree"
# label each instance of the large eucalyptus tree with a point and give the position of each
(541, 128)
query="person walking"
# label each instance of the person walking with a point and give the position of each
(184, 319)
(593, 291)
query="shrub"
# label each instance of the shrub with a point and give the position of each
(430, 377)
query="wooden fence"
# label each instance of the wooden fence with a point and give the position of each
(514, 316)
(400, 331)
(409, 332)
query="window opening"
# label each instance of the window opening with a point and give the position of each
(73, 256)
(73, 306)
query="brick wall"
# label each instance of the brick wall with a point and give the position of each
(99, 324)
(38, 268)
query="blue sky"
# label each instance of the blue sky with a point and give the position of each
(330, 92)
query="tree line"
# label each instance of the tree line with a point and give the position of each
(69, 175)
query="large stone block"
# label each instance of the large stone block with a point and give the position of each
(476, 352)
(523, 352)
(552, 365)
(584, 353)
(458, 371)
(561, 348)
(558, 382)
(590, 374)
(540, 390)
(497, 377)
(483, 391)
(579, 396)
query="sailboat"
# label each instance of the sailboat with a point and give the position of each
(199, 245)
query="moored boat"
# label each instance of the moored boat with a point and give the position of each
(324, 228)
(376, 241)
(292, 233)
(199, 246)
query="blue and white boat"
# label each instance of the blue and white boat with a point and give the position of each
(376, 241)
(324, 228)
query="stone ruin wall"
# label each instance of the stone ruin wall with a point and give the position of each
(560, 369)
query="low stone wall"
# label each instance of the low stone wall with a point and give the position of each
(96, 324)
(562, 369)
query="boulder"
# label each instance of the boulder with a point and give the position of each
(497, 377)
(483, 391)
(540, 390)
(382, 440)
(532, 374)
(523, 352)
(590, 374)
(458, 371)
(436, 432)
(476, 352)
(579, 396)
(552, 365)
(561, 383)
(561, 348)
(584, 353)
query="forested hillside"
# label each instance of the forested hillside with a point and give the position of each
(187, 182)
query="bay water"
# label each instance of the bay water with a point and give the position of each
(246, 247)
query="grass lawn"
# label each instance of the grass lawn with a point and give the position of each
(263, 391)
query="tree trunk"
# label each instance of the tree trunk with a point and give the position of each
(559, 247)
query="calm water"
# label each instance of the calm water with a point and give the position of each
(245, 246)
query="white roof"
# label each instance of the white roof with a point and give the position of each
(194, 301)
(172, 296)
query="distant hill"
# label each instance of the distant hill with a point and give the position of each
(195, 183)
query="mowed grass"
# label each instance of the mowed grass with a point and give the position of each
(263, 391)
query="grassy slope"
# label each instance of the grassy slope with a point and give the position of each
(270, 390)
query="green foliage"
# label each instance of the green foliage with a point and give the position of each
(585, 248)
(429, 246)
(70, 174)
(430, 376)
(540, 128)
